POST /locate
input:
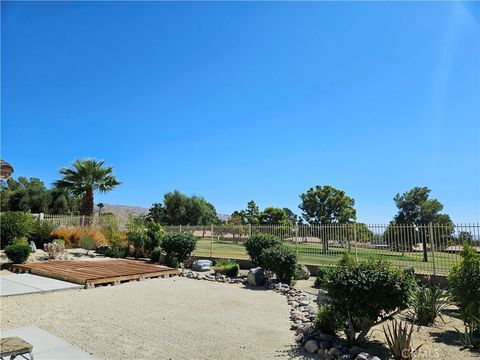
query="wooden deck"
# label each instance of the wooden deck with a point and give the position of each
(95, 272)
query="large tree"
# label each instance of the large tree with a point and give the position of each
(327, 205)
(415, 207)
(273, 216)
(84, 178)
(179, 209)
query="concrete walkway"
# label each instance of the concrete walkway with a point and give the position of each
(17, 284)
(45, 345)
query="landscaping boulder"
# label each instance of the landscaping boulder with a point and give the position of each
(202, 265)
(302, 272)
(311, 346)
(256, 277)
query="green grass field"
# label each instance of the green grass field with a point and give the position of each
(312, 254)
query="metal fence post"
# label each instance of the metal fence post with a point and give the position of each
(211, 241)
(432, 244)
(296, 239)
(355, 241)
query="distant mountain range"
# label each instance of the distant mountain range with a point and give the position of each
(122, 211)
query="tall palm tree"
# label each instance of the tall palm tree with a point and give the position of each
(84, 178)
(100, 207)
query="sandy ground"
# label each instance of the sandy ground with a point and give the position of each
(174, 318)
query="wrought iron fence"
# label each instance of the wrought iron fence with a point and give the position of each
(428, 248)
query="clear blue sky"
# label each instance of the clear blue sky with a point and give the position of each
(241, 101)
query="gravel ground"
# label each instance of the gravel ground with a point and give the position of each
(173, 318)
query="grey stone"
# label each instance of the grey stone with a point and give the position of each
(304, 302)
(326, 337)
(335, 352)
(201, 265)
(302, 273)
(374, 358)
(363, 356)
(256, 277)
(311, 346)
(345, 357)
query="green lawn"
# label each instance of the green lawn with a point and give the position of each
(312, 254)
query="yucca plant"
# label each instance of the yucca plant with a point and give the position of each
(470, 337)
(428, 302)
(399, 339)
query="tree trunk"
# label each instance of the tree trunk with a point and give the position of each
(87, 202)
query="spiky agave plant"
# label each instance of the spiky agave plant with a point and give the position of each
(399, 339)
(428, 302)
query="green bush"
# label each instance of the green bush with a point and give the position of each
(227, 267)
(40, 233)
(428, 301)
(154, 236)
(172, 262)
(155, 255)
(464, 281)
(281, 261)
(178, 245)
(327, 320)
(323, 274)
(259, 242)
(87, 243)
(137, 238)
(17, 253)
(116, 252)
(15, 225)
(367, 292)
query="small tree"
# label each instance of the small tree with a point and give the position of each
(179, 245)
(281, 261)
(366, 294)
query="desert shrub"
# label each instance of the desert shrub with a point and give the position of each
(327, 320)
(155, 255)
(137, 239)
(464, 281)
(366, 294)
(178, 245)
(55, 248)
(227, 267)
(154, 236)
(40, 233)
(116, 252)
(87, 243)
(17, 253)
(259, 242)
(323, 273)
(428, 301)
(172, 262)
(281, 261)
(112, 233)
(14, 225)
(72, 236)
